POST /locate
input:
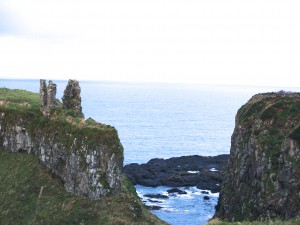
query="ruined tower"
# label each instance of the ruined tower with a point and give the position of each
(43, 94)
(71, 99)
(47, 96)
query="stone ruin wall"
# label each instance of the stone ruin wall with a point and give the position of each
(71, 99)
(47, 97)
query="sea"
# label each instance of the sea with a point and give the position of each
(159, 120)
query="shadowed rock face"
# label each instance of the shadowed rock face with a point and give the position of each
(205, 172)
(71, 99)
(262, 178)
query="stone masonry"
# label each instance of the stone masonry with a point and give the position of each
(71, 99)
(47, 96)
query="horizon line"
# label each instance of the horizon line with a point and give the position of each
(153, 82)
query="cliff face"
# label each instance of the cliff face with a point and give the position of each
(87, 156)
(262, 179)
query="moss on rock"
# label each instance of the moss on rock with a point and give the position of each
(262, 176)
(89, 151)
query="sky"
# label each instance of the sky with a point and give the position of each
(248, 42)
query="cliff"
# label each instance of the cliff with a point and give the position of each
(87, 156)
(262, 178)
(58, 168)
(30, 194)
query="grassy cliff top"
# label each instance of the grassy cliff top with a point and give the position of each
(29, 194)
(270, 222)
(270, 106)
(21, 100)
(272, 117)
(25, 105)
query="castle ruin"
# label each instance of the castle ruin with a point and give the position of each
(71, 99)
(47, 97)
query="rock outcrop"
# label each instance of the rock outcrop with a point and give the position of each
(85, 155)
(72, 99)
(205, 172)
(262, 178)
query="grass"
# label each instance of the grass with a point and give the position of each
(30, 195)
(270, 222)
(20, 105)
(279, 110)
(19, 98)
(271, 112)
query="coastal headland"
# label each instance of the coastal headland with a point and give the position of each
(58, 167)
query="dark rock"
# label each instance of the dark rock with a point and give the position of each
(156, 196)
(176, 172)
(176, 190)
(262, 179)
(205, 192)
(21, 150)
(153, 207)
(206, 197)
(154, 201)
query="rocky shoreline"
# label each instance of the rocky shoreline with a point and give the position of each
(204, 172)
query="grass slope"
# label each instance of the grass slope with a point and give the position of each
(271, 222)
(30, 195)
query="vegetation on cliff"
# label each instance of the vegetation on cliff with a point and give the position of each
(269, 222)
(262, 178)
(25, 103)
(86, 155)
(30, 194)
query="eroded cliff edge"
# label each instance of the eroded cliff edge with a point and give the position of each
(87, 156)
(262, 178)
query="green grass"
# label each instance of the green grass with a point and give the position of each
(20, 105)
(279, 110)
(28, 192)
(270, 112)
(21, 201)
(247, 112)
(19, 98)
(270, 222)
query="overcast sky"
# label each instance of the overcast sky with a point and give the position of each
(254, 42)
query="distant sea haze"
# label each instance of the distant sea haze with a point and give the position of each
(161, 120)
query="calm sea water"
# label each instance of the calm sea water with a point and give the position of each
(163, 121)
